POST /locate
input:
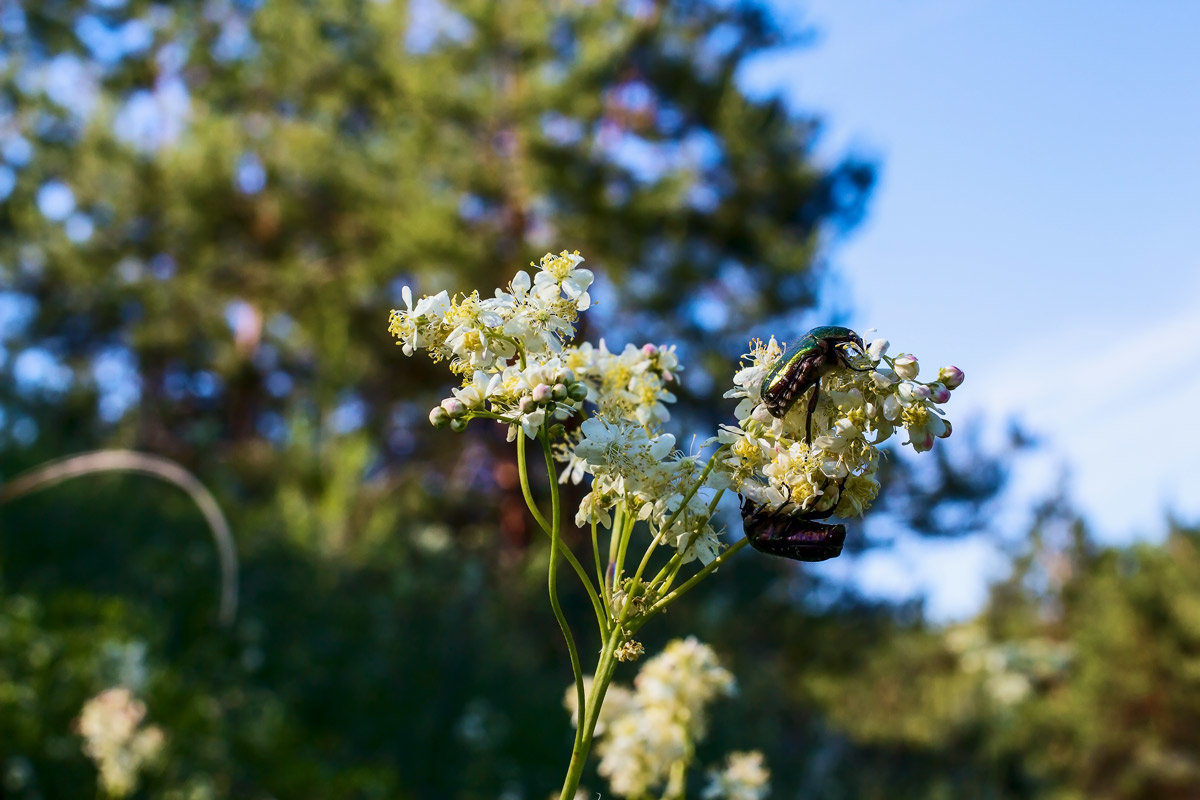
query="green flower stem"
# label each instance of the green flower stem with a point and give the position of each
(599, 567)
(671, 569)
(612, 576)
(590, 714)
(523, 472)
(674, 565)
(629, 521)
(552, 579)
(692, 581)
(712, 462)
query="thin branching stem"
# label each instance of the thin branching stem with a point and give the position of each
(687, 498)
(552, 581)
(523, 473)
(59, 470)
(692, 581)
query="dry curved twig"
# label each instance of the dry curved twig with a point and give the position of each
(61, 469)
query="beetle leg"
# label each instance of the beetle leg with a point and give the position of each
(812, 406)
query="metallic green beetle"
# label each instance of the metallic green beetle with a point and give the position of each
(802, 366)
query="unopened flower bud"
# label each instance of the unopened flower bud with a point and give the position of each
(906, 366)
(951, 377)
(438, 417)
(884, 376)
(922, 391)
(458, 425)
(526, 404)
(649, 349)
(939, 393)
(559, 392)
(541, 394)
(454, 407)
(577, 391)
(947, 431)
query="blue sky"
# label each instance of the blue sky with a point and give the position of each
(1034, 224)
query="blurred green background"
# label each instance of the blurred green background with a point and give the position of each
(208, 210)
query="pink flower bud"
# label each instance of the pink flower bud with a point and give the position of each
(939, 393)
(951, 376)
(527, 404)
(542, 394)
(454, 407)
(649, 349)
(922, 443)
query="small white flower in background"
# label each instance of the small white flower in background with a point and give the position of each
(114, 738)
(745, 777)
(617, 702)
(653, 728)
(686, 675)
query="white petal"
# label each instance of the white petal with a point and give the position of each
(891, 407)
(662, 446)
(521, 283)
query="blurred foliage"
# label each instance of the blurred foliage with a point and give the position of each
(242, 266)
(1079, 680)
(206, 211)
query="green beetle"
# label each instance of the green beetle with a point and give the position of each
(802, 366)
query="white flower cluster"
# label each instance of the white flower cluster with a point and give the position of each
(629, 385)
(519, 368)
(505, 347)
(745, 777)
(646, 733)
(769, 460)
(634, 466)
(110, 724)
(640, 472)
(1008, 671)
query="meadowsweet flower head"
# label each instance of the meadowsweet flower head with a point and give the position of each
(504, 347)
(631, 384)
(773, 462)
(651, 731)
(114, 738)
(745, 777)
